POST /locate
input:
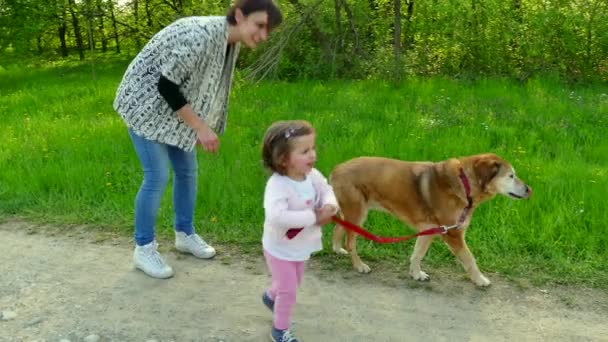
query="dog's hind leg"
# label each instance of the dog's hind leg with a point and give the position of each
(337, 240)
(456, 244)
(355, 214)
(420, 249)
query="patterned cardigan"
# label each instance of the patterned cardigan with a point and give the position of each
(194, 53)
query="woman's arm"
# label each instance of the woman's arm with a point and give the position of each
(187, 52)
(177, 101)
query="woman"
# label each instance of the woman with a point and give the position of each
(173, 96)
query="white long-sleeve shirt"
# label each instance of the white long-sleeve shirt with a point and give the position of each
(287, 207)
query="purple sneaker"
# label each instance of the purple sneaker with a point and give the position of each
(285, 335)
(268, 302)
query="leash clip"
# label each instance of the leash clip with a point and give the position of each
(446, 228)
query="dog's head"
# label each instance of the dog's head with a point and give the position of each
(497, 176)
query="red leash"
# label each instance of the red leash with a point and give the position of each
(380, 239)
(431, 231)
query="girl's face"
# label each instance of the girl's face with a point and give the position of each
(253, 28)
(302, 157)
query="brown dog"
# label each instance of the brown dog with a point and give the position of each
(423, 195)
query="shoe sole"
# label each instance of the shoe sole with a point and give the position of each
(188, 252)
(153, 276)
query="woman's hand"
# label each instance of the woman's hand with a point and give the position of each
(207, 138)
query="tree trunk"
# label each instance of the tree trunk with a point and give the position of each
(517, 10)
(338, 37)
(180, 7)
(77, 33)
(114, 26)
(39, 44)
(408, 39)
(353, 29)
(316, 32)
(102, 30)
(148, 13)
(589, 62)
(62, 30)
(373, 6)
(471, 58)
(373, 17)
(136, 24)
(514, 41)
(397, 39)
(89, 17)
(338, 18)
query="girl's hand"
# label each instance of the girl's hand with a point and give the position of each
(325, 214)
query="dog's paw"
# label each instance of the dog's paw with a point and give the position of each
(420, 276)
(482, 281)
(340, 250)
(363, 268)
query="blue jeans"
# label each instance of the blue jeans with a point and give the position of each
(155, 158)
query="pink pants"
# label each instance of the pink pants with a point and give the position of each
(286, 278)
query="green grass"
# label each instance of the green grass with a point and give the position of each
(66, 158)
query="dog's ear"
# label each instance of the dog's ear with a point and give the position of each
(486, 169)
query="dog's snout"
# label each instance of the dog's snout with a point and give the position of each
(528, 190)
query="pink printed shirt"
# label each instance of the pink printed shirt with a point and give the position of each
(285, 209)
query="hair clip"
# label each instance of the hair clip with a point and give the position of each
(290, 132)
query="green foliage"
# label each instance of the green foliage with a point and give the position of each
(346, 38)
(66, 158)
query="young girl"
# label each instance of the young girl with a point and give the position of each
(297, 202)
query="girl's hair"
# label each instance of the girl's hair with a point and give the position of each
(277, 146)
(249, 6)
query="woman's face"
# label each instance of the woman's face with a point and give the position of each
(253, 28)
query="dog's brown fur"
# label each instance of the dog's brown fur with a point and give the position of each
(422, 195)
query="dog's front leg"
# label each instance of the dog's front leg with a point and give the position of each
(470, 265)
(420, 249)
(351, 245)
(456, 243)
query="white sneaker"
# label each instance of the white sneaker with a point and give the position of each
(194, 245)
(147, 259)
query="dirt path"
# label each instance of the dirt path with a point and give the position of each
(69, 285)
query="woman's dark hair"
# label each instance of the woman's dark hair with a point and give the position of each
(250, 6)
(277, 143)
